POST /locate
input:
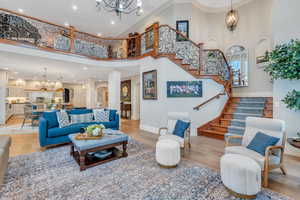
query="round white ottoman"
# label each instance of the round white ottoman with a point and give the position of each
(167, 153)
(241, 175)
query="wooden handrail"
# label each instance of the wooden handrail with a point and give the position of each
(179, 33)
(221, 52)
(209, 100)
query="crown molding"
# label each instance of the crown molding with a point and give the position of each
(211, 9)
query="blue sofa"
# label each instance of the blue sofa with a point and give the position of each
(51, 134)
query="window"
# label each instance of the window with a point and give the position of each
(237, 57)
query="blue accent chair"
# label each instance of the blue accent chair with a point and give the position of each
(51, 134)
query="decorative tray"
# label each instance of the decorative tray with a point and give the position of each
(86, 137)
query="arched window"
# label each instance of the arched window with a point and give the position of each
(237, 57)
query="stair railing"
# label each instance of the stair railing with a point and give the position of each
(173, 42)
(210, 99)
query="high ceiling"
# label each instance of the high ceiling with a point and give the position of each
(86, 18)
(218, 3)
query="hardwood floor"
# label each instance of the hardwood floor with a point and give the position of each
(206, 151)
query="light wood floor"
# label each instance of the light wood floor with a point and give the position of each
(205, 151)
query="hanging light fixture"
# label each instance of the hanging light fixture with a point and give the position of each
(232, 18)
(120, 6)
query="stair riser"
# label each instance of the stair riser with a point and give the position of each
(242, 117)
(235, 130)
(252, 100)
(256, 105)
(219, 129)
(225, 123)
(239, 124)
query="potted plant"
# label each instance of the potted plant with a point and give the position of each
(95, 130)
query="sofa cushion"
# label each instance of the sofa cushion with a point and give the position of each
(112, 114)
(81, 118)
(101, 115)
(5, 142)
(79, 111)
(56, 132)
(51, 119)
(63, 119)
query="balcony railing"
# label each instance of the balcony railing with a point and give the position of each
(157, 40)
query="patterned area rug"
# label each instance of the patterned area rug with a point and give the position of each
(55, 175)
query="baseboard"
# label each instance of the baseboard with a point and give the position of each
(148, 128)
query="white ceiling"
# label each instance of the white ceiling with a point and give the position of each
(217, 3)
(86, 18)
(32, 68)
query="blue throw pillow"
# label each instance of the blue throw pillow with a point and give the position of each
(180, 128)
(51, 118)
(261, 142)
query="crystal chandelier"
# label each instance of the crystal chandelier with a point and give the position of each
(120, 6)
(232, 19)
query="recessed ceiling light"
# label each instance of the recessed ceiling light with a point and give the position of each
(66, 24)
(99, 34)
(85, 68)
(112, 22)
(74, 7)
(20, 10)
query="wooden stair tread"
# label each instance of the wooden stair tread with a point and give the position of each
(213, 132)
(219, 125)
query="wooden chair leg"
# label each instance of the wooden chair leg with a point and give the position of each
(282, 168)
(266, 178)
(23, 123)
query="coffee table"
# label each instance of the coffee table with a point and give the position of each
(110, 140)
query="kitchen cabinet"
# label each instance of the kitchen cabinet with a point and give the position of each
(16, 92)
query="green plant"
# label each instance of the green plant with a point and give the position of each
(292, 100)
(285, 61)
(95, 130)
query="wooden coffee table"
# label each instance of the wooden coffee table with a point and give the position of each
(110, 141)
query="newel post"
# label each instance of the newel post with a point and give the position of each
(156, 38)
(72, 38)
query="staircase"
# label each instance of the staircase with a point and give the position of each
(232, 119)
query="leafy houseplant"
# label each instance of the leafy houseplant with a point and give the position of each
(285, 61)
(292, 100)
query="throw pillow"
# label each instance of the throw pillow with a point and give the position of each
(261, 142)
(63, 119)
(180, 128)
(83, 118)
(101, 115)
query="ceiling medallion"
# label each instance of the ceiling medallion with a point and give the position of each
(232, 18)
(120, 6)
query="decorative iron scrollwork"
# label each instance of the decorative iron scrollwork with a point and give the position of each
(16, 28)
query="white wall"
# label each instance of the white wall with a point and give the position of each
(153, 113)
(286, 25)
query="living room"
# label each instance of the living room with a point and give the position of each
(154, 99)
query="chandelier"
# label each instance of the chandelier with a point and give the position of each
(120, 6)
(232, 18)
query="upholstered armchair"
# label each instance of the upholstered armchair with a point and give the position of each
(273, 155)
(167, 132)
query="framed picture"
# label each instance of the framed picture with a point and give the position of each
(184, 89)
(183, 27)
(126, 90)
(150, 85)
(150, 37)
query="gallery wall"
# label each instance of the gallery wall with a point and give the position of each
(153, 114)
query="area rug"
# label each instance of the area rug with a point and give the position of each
(16, 129)
(54, 175)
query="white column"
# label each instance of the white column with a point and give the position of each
(3, 86)
(91, 94)
(135, 98)
(114, 89)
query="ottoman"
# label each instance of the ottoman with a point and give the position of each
(167, 153)
(241, 175)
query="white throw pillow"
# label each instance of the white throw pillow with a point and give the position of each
(101, 115)
(63, 119)
(81, 118)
